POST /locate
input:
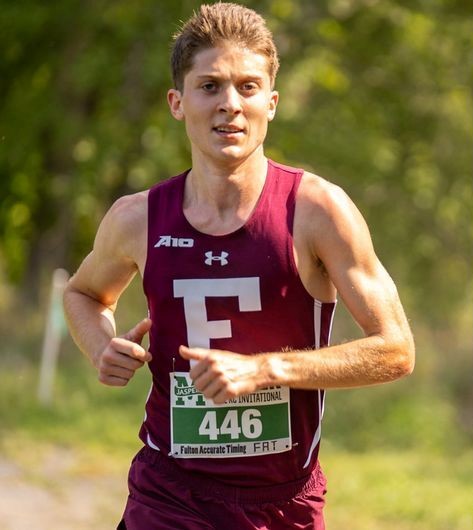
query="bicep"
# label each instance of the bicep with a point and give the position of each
(370, 296)
(102, 279)
(363, 283)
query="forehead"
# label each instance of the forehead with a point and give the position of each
(229, 60)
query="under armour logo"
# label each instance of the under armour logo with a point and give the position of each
(211, 258)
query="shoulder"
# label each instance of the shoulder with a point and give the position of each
(316, 191)
(125, 223)
(328, 218)
(129, 208)
(325, 202)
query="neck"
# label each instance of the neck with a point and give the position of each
(218, 199)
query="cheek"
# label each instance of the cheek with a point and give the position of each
(260, 112)
(194, 119)
(259, 120)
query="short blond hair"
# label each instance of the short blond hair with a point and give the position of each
(216, 24)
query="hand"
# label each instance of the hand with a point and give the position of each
(222, 375)
(123, 355)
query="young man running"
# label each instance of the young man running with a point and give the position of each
(241, 260)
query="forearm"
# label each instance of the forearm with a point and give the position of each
(221, 375)
(91, 324)
(362, 362)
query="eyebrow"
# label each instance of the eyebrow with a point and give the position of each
(217, 76)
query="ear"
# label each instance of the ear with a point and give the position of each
(175, 103)
(273, 103)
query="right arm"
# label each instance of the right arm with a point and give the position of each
(91, 295)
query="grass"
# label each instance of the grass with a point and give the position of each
(405, 490)
(85, 415)
(393, 456)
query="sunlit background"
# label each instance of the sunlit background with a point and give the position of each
(376, 95)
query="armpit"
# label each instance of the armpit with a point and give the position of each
(320, 265)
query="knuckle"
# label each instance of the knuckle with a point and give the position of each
(107, 355)
(221, 398)
(199, 385)
(231, 392)
(130, 373)
(221, 379)
(137, 364)
(137, 351)
(114, 343)
(102, 378)
(212, 361)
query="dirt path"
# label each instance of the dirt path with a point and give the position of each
(54, 498)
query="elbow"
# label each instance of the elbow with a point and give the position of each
(397, 356)
(71, 297)
(68, 295)
(406, 365)
(403, 358)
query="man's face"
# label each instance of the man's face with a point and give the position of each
(226, 103)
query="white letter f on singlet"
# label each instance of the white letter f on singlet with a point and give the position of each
(199, 329)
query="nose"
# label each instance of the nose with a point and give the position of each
(230, 100)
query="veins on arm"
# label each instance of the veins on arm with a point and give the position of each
(341, 248)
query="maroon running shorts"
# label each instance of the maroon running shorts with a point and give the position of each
(164, 497)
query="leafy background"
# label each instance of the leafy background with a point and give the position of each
(375, 96)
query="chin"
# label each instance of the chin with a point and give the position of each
(231, 154)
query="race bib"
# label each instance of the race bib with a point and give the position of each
(255, 424)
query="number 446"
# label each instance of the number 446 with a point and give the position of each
(251, 426)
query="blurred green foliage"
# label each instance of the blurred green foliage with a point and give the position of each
(375, 96)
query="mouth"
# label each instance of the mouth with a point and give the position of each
(228, 130)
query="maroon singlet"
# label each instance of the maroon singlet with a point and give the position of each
(239, 292)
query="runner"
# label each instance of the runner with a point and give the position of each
(241, 260)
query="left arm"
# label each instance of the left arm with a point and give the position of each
(337, 236)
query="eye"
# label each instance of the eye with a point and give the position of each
(209, 86)
(249, 87)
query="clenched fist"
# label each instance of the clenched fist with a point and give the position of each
(123, 355)
(221, 375)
